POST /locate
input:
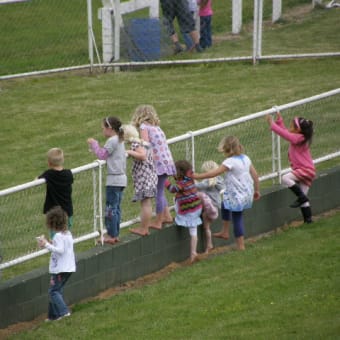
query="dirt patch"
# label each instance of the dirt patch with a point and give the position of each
(161, 274)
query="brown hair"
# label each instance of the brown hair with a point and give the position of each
(56, 219)
(115, 124)
(183, 168)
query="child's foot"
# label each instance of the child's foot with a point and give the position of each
(194, 258)
(156, 226)
(110, 240)
(221, 235)
(208, 250)
(168, 221)
(139, 231)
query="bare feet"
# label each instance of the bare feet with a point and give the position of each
(194, 258)
(168, 221)
(111, 240)
(139, 231)
(208, 250)
(154, 226)
(221, 235)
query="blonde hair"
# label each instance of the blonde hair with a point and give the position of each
(230, 146)
(145, 113)
(207, 166)
(131, 134)
(55, 156)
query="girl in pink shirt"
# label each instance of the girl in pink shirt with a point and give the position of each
(205, 13)
(299, 180)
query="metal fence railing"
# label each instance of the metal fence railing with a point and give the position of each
(44, 36)
(21, 217)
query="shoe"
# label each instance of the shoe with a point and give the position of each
(299, 202)
(64, 316)
(199, 48)
(178, 48)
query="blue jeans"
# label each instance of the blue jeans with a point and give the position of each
(56, 305)
(114, 197)
(205, 31)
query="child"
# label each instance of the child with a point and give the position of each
(212, 188)
(144, 176)
(145, 119)
(62, 262)
(205, 14)
(114, 154)
(299, 180)
(241, 187)
(188, 205)
(58, 185)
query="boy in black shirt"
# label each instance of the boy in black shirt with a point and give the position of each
(58, 184)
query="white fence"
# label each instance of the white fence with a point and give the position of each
(78, 38)
(21, 217)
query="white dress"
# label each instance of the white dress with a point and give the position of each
(239, 185)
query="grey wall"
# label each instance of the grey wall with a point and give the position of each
(25, 297)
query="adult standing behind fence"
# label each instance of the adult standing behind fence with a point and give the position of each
(179, 9)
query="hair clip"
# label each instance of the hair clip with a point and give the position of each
(107, 122)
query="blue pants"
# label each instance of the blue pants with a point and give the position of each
(56, 305)
(236, 217)
(114, 197)
(205, 31)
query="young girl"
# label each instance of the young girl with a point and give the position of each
(145, 119)
(62, 261)
(144, 176)
(299, 180)
(205, 14)
(241, 186)
(114, 154)
(210, 188)
(188, 205)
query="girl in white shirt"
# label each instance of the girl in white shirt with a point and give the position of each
(241, 186)
(62, 262)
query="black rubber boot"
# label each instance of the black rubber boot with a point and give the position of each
(301, 197)
(307, 214)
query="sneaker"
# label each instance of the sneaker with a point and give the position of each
(199, 48)
(64, 316)
(178, 48)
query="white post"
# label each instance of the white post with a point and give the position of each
(107, 33)
(236, 16)
(257, 32)
(89, 31)
(277, 10)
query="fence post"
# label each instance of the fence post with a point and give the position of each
(277, 10)
(236, 16)
(257, 32)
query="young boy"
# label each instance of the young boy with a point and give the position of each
(58, 184)
(62, 261)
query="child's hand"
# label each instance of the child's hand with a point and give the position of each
(257, 195)
(41, 241)
(269, 119)
(90, 141)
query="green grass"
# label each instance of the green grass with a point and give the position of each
(278, 288)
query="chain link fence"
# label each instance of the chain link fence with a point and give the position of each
(41, 36)
(21, 216)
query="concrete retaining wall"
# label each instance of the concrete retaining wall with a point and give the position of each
(25, 297)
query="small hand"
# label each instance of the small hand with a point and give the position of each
(257, 195)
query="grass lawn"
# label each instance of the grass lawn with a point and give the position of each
(284, 286)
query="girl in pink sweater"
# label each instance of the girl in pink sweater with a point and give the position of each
(205, 13)
(300, 178)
